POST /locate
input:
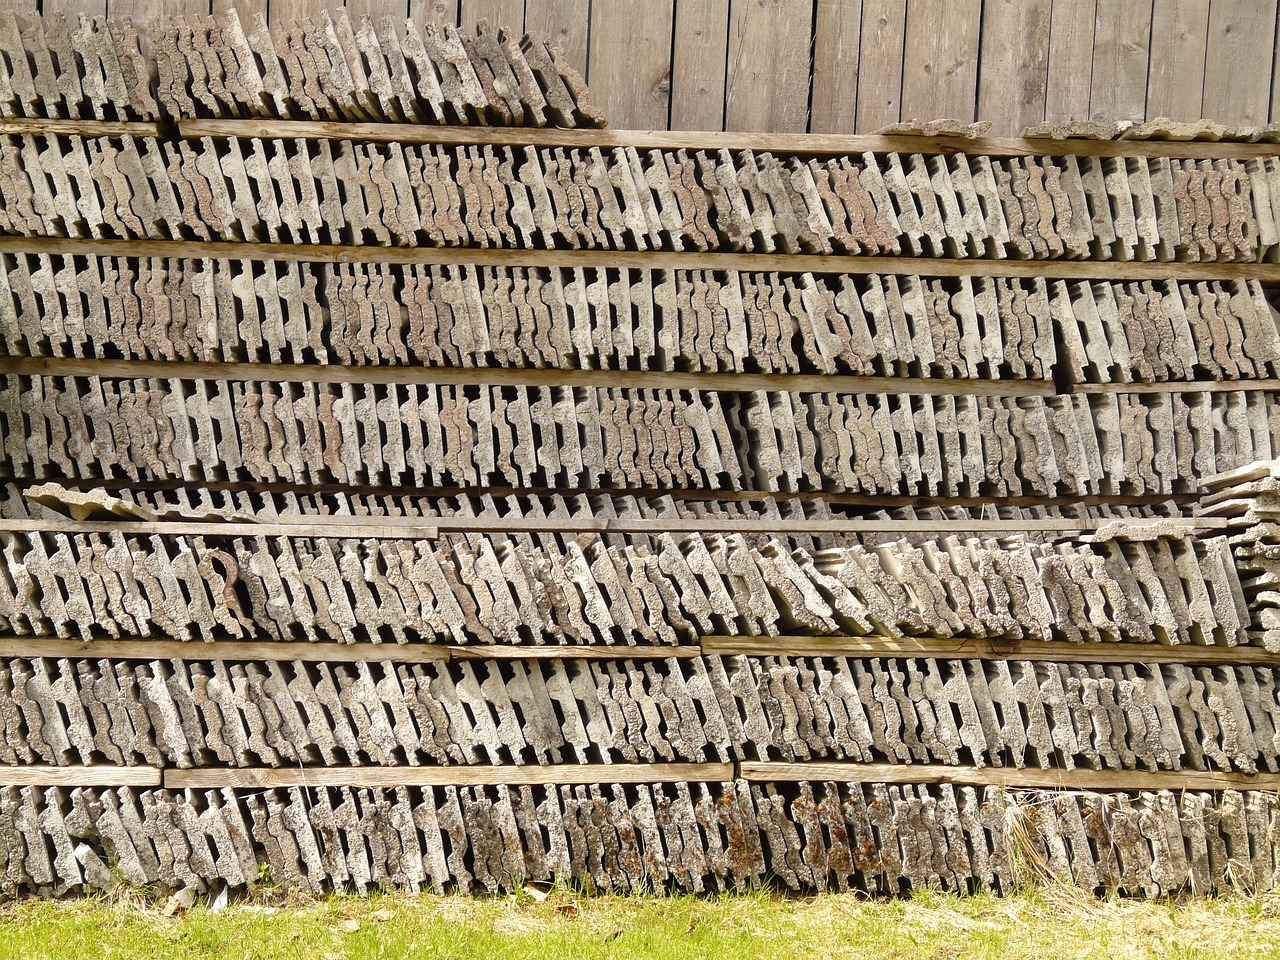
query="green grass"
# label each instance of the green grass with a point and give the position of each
(750, 927)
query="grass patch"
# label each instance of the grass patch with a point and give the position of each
(1039, 924)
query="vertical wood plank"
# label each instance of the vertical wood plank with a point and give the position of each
(72, 8)
(1175, 80)
(699, 63)
(1071, 30)
(1121, 45)
(142, 11)
(940, 65)
(247, 9)
(375, 9)
(433, 11)
(768, 82)
(630, 64)
(286, 11)
(1014, 71)
(884, 31)
(836, 38)
(563, 23)
(499, 13)
(1242, 36)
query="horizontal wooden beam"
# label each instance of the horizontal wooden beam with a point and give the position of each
(303, 526)
(969, 649)
(45, 127)
(442, 776)
(1027, 778)
(647, 260)
(812, 144)
(518, 376)
(579, 651)
(1264, 385)
(128, 648)
(106, 775)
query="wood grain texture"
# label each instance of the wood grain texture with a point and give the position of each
(1071, 29)
(940, 65)
(814, 143)
(247, 9)
(630, 62)
(767, 85)
(90, 8)
(206, 778)
(396, 9)
(884, 31)
(1239, 61)
(562, 23)
(433, 11)
(952, 648)
(1121, 48)
(1175, 79)
(388, 528)
(1079, 779)
(837, 37)
(39, 775)
(1013, 74)
(285, 11)
(255, 650)
(500, 13)
(698, 65)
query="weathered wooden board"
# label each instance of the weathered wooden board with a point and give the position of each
(836, 42)
(1175, 81)
(884, 28)
(1242, 39)
(1015, 63)
(697, 70)
(940, 63)
(630, 62)
(768, 76)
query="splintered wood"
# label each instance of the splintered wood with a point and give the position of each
(373, 515)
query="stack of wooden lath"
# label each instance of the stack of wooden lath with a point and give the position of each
(634, 509)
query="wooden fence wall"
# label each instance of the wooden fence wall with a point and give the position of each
(856, 65)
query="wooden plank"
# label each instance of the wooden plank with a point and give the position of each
(650, 260)
(699, 62)
(1029, 778)
(630, 62)
(837, 36)
(767, 87)
(953, 648)
(73, 8)
(396, 9)
(385, 528)
(1239, 61)
(287, 11)
(508, 774)
(433, 11)
(520, 376)
(1269, 385)
(573, 652)
(940, 63)
(884, 35)
(564, 24)
(256, 650)
(817, 144)
(508, 14)
(1013, 74)
(82, 128)
(1070, 60)
(1122, 41)
(40, 775)
(1175, 79)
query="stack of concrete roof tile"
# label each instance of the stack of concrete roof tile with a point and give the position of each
(659, 509)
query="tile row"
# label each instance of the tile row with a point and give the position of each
(878, 838)
(671, 320)
(339, 192)
(628, 439)
(495, 589)
(1014, 713)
